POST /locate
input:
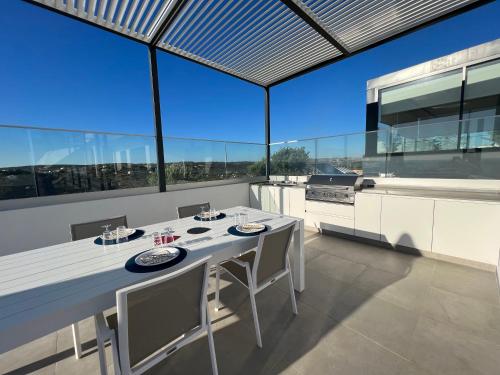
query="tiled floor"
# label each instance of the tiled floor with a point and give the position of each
(365, 310)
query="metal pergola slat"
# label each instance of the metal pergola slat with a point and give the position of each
(265, 42)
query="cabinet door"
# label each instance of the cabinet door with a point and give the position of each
(265, 201)
(296, 202)
(255, 197)
(275, 199)
(367, 208)
(468, 230)
(407, 221)
(336, 217)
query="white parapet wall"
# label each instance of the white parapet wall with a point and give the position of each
(30, 228)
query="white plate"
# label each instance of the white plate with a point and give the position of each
(129, 231)
(250, 228)
(155, 257)
(207, 215)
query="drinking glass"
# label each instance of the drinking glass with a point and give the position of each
(157, 242)
(203, 212)
(170, 235)
(243, 219)
(236, 219)
(107, 235)
(121, 233)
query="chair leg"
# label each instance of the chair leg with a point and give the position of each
(211, 347)
(292, 293)
(99, 322)
(217, 286)
(255, 317)
(76, 340)
(116, 358)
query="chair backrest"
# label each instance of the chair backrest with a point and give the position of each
(272, 252)
(194, 209)
(95, 228)
(160, 313)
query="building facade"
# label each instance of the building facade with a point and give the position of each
(443, 114)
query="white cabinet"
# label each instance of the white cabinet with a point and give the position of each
(265, 201)
(467, 229)
(278, 199)
(407, 221)
(276, 203)
(367, 211)
(336, 217)
(255, 201)
(296, 202)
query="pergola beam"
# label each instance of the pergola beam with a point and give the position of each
(308, 17)
(420, 26)
(169, 19)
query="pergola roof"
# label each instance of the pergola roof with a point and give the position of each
(262, 41)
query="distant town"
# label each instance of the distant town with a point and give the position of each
(45, 180)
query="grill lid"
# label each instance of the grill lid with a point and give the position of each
(336, 179)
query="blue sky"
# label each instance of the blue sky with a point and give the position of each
(56, 72)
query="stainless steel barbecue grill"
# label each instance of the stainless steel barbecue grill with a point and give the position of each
(339, 188)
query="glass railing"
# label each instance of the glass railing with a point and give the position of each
(457, 149)
(41, 162)
(192, 160)
(36, 162)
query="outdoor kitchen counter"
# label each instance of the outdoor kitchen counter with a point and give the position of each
(277, 184)
(472, 195)
(441, 193)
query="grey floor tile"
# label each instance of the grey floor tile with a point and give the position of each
(312, 253)
(36, 357)
(354, 251)
(411, 368)
(443, 349)
(383, 322)
(337, 268)
(467, 281)
(343, 351)
(407, 291)
(472, 315)
(322, 292)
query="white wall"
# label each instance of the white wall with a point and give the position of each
(30, 228)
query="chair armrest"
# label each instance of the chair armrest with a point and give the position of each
(240, 263)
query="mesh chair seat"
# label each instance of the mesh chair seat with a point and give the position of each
(237, 270)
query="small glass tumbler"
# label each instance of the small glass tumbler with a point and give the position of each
(203, 213)
(170, 235)
(243, 219)
(157, 242)
(121, 234)
(236, 219)
(107, 236)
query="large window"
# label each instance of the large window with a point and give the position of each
(426, 101)
(482, 106)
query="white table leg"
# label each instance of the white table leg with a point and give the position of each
(298, 258)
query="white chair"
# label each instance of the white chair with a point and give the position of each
(256, 270)
(81, 231)
(192, 210)
(156, 318)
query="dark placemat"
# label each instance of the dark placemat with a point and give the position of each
(197, 230)
(222, 215)
(134, 267)
(232, 230)
(138, 234)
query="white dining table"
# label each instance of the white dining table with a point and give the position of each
(46, 289)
